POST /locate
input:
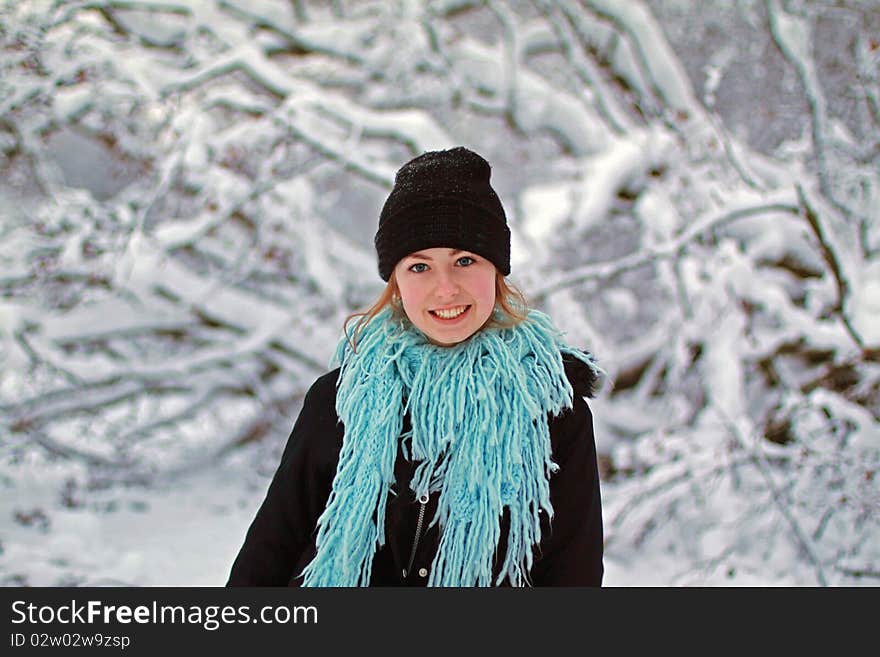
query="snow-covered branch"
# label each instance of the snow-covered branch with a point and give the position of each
(658, 252)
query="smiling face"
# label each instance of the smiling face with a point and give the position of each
(448, 294)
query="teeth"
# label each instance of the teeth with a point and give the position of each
(451, 313)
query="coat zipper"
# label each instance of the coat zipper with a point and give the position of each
(423, 500)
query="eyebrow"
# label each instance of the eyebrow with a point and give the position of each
(424, 257)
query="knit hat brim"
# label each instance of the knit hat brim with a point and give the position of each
(417, 227)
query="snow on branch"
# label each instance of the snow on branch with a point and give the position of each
(669, 249)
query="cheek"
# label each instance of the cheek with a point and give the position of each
(411, 293)
(485, 288)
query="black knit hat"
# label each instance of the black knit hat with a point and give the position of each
(443, 199)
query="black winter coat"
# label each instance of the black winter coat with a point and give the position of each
(281, 538)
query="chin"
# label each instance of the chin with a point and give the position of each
(447, 342)
(451, 339)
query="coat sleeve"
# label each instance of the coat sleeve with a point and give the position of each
(572, 553)
(283, 529)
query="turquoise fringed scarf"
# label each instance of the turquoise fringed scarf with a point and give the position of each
(479, 430)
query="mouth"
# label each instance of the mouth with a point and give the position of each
(450, 315)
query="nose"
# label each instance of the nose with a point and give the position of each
(447, 287)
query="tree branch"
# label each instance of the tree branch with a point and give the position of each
(759, 460)
(831, 260)
(672, 248)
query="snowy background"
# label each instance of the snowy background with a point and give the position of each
(188, 194)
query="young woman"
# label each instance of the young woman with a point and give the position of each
(453, 446)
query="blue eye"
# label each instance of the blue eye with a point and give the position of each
(418, 264)
(472, 261)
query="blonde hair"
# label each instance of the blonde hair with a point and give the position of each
(509, 301)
